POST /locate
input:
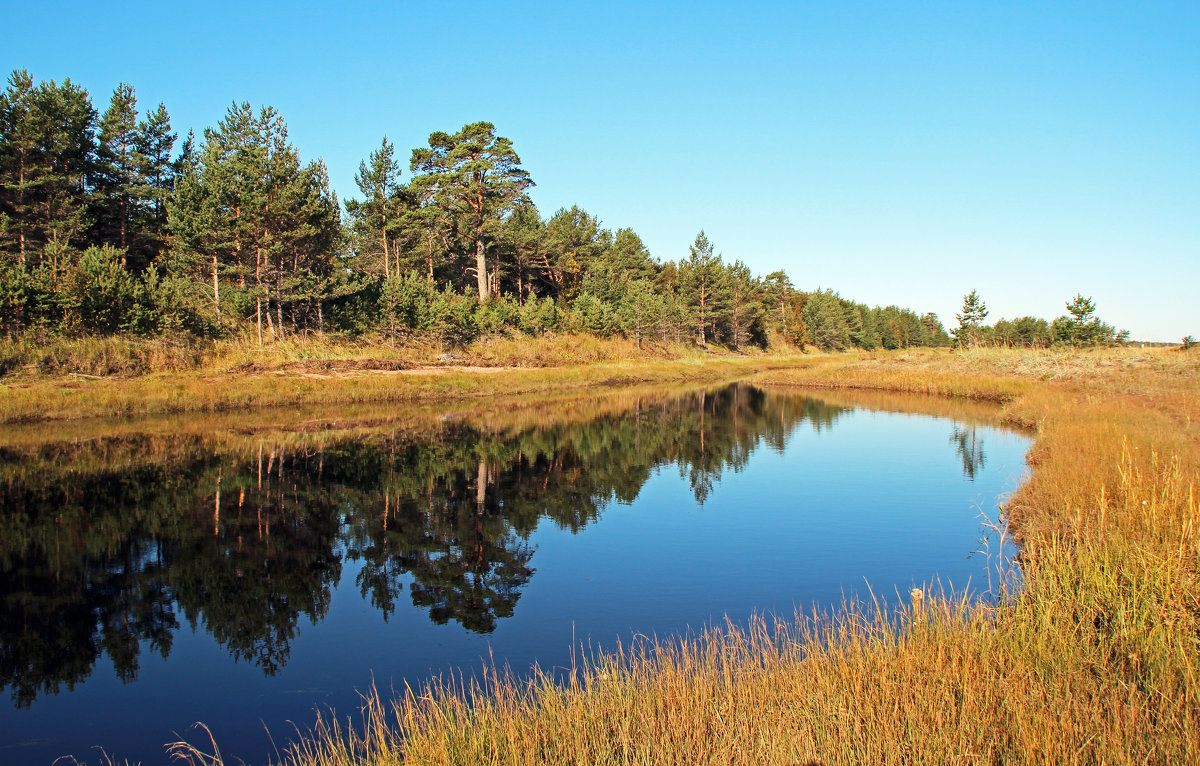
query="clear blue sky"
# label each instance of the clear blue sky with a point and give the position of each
(896, 152)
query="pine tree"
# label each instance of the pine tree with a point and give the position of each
(116, 173)
(574, 241)
(827, 321)
(621, 261)
(974, 311)
(475, 178)
(18, 147)
(156, 174)
(377, 220)
(640, 310)
(523, 240)
(745, 305)
(252, 212)
(1083, 327)
(777, 287)
(702, 288)
(47, 143)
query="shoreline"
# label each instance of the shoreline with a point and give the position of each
(74, 398)
(1094, 659)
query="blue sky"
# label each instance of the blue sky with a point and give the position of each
(899, 153)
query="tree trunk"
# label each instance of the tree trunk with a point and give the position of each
(216, 289)
(737, 322)
(124, 244)
(481, 478)
(270, 322)
(279, 300)
(387, 270)
(481, 275)
(217, 507)
(21, 205)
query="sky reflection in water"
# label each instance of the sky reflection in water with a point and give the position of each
(242, 579)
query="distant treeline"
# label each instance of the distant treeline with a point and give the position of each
(108, 224)
(1078, 327)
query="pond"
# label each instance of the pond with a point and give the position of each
(246, 570)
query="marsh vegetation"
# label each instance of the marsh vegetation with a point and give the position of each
(314, 551)
(1092, 660)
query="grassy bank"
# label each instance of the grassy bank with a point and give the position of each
(1094, 660)
(114, 377)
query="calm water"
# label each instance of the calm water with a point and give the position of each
(245, 576)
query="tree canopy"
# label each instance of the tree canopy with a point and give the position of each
(109, 224)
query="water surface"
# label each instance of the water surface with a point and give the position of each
(245, 570)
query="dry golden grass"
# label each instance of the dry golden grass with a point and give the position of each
(34, 356)
(1094, 659)
(236, 374)
(219, 391)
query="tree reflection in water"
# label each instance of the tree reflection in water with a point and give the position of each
(106, 545)
(969, 447)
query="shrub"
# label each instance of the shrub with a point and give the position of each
(594, 315)
(452, 318)
(99, 292)
(497, 314)
(405, 303)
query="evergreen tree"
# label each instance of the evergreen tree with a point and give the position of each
(475, 177)
(641, 310)
(622, 260)
(628, 255)
(117, 177)
(156, 173)
(1082, 309)
(778, 289)
(250, 209)
(828, 325)
(523, 242)
(703, 289)
(932, 331)
(864, 330)
(574, 242)
(377, 220)
(974, 311)
(18, 149)
(47, 144)
(1083, 327)
(745, 305)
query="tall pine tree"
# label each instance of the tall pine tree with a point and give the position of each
(702, 288)
(249, 209)
(47, 142)
(116, 172)
(377, 220)
(475, 177)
